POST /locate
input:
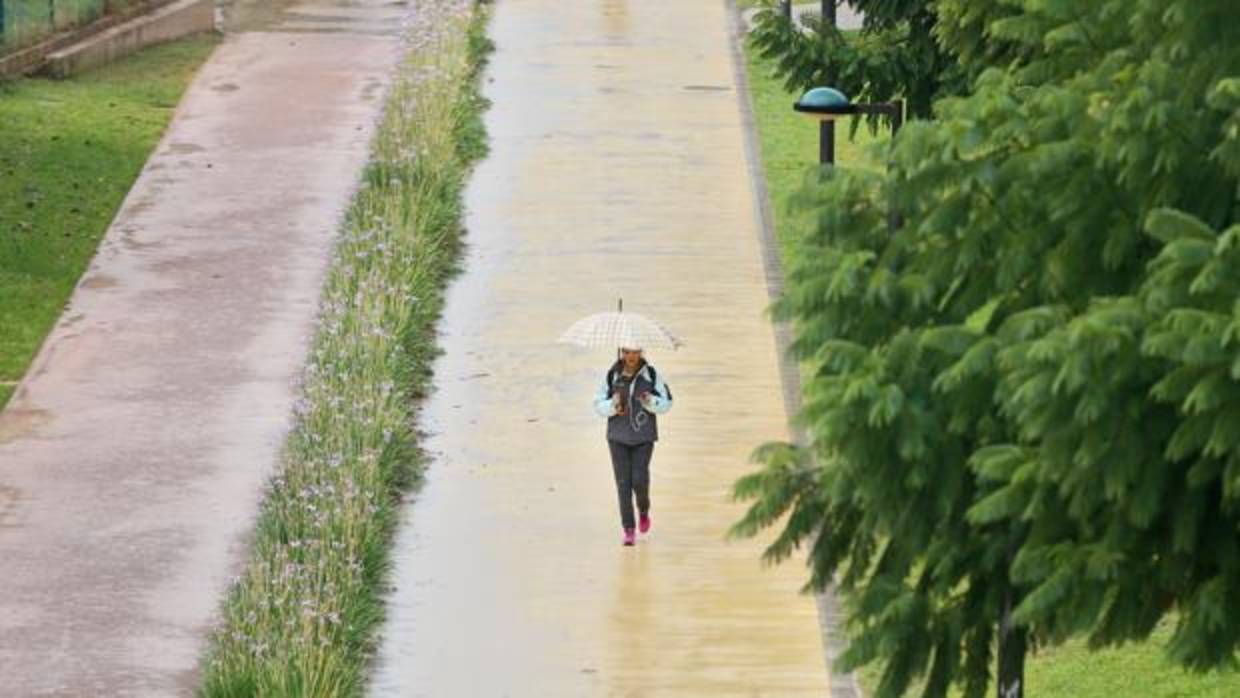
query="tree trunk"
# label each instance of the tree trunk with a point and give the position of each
(1013, 642)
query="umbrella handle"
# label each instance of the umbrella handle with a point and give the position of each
(619, 309)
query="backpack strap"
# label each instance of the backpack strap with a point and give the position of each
(654, 381)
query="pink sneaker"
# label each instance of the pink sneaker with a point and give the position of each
(630, 536)
(643, 524)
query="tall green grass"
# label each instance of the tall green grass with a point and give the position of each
(301, 620)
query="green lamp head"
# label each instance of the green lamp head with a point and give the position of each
(824, 104)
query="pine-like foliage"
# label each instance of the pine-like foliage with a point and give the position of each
(1029, 393)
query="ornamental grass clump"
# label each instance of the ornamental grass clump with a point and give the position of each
(300, 620)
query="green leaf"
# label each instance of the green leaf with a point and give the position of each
(1170, 225)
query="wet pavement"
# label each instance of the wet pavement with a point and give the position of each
(133, 454)
(618, 169)
(371, 17)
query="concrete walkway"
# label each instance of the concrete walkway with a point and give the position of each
(133, 454)
(618, 168)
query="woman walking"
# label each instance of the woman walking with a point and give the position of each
(630, 397)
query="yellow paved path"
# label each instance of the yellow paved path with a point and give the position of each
(618, 168)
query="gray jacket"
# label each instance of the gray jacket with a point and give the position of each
(640, 424)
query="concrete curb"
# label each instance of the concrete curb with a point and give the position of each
(829, 616)
(169, 22)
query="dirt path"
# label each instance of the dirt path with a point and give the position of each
(133, 454)
(618, 168)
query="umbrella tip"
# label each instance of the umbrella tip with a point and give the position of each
(620, 305)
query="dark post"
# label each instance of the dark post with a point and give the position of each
(1013, 644)
(1012, 647)
(896, 110)
(788, 10)
(826, 142)
(826, 129)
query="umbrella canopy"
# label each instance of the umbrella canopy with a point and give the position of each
(619, 329)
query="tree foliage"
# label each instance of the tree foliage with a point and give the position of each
(1030, 391)
(896, 54)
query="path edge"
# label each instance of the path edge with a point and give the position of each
(830, 618)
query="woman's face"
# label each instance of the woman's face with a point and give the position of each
(631, 357)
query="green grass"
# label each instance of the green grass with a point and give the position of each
(789, 145)
(301, 620)
(1139, 670)
(69, 152)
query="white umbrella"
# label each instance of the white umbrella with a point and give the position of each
(619, 329)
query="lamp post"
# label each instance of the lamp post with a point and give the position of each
(826, 104)
(826, 127)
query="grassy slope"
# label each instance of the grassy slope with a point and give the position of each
(69, 152)
(789, 145)
(1133, 671)
(1071, 671)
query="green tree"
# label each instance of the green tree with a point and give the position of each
(1024, 415)
(896, 54)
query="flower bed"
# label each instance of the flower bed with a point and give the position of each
(301, 619)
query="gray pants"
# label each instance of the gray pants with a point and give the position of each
(631, 463)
